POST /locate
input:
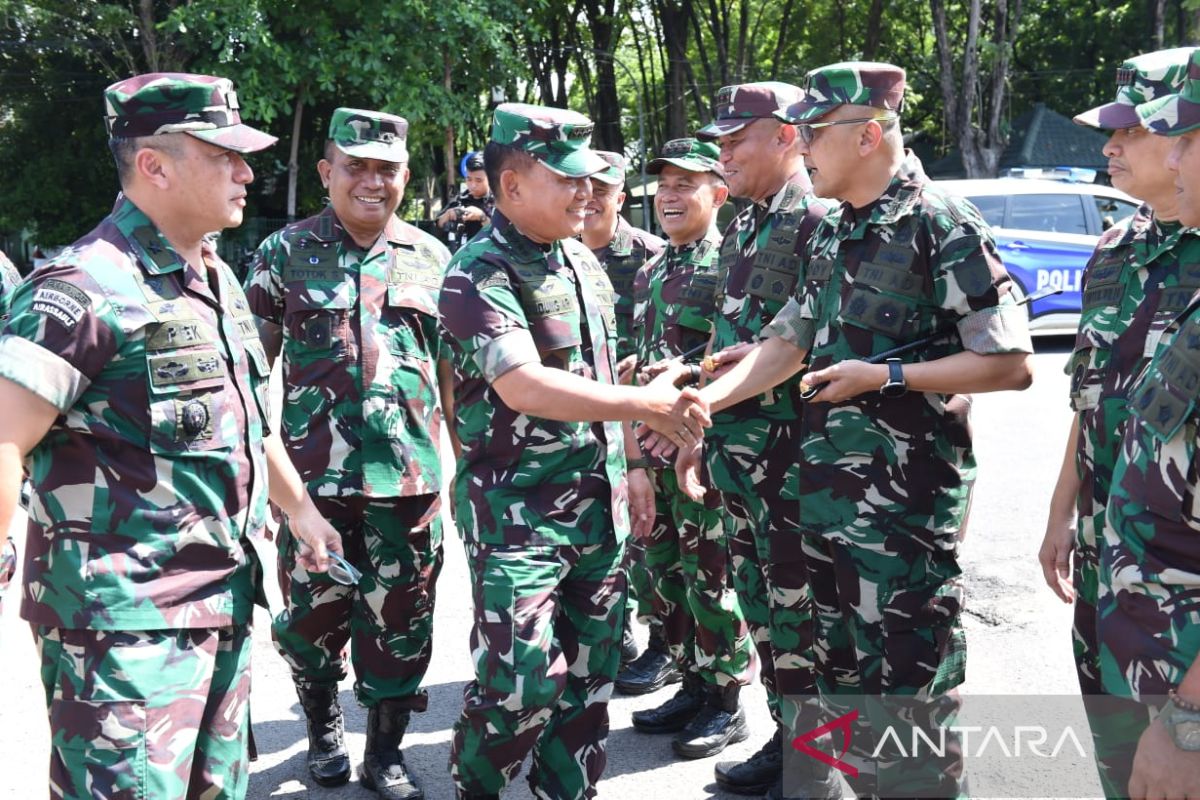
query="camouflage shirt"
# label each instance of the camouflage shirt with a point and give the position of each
(1150, 561)
(523, 480)
(751, 447)
(360, 343)
(1141, 276)
(629, 249)
(148, 485)
(673, 301)
(914, 261)
(9, 278)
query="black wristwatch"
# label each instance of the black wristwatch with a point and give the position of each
(895, 385)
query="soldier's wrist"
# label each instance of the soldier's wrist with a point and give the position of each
(636, 462)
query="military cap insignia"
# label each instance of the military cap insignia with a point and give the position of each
(1126, 76)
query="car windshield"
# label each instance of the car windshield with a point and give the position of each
(1054, 213)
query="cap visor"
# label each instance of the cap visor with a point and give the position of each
(609, 176)
(656, 166)
(1171, 115)
(579, 164)
(376, 150)
(722, 127)
(239, 138)
(1110, 116)
(805, 112)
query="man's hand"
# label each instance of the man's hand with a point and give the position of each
(1160, 769)
(627, 369)
(471, 214)
(844, 380)
(722, 361)
(641, 503)
(1055, 557)
(681, 416)
(673, 366)
(655, 444)
(687, 470)
(316, 538)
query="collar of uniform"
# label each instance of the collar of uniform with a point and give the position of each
(712, 236)
(516, 246)
(901, 195)
(154, 252)
(792, 193)
(622, 240)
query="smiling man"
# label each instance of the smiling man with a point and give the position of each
(1143, 272)
(885, 458)
(350, 298)
(544, 503)
(685, 553)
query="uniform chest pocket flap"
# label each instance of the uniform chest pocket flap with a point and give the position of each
(316, 316)
(188, 399)
(877, 312)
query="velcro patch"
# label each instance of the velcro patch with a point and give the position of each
(62, 302)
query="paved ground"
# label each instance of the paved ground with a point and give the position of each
(1017, 630)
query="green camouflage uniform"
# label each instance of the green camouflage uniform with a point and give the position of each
(685, 556)
(139, 577)
(885, 482)
(1143, 273)
(542, 505)
(627, 252)
(360, 337)
(750, 451)
(9, 278)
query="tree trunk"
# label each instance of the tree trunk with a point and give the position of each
(785, 19)
(674, 20)
(1158, 15)
(874, 30)
(294, 154)
(448, 147)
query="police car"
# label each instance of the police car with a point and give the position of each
(1046, 230)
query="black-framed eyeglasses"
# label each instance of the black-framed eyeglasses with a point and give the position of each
(808, 130)
(342, 571)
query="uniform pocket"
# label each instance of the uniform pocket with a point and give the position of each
(260, 376)
(1086, 379)
(102, 746)
(188, 401)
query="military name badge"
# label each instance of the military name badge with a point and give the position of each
(62, 302)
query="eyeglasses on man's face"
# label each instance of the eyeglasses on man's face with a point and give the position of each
(808, 130)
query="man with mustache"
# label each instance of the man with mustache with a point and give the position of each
(349, 297)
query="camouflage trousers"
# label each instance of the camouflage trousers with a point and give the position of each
(387, 618)
(637, 578)
(686, 561)
(887, 622)
(147, 714)
(772, 590)
(1116, 724)
(545, 644)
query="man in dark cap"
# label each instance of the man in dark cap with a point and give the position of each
(349, 297)
(886, 460)
(134, 381)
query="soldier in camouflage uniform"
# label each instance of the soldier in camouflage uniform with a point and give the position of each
(1141, 276)
(467, 213)
(134, 379)
(622, 249)
(685, 554)
(350, 298)
(9, 278)
(885, 456)
(1149, 561)
(541, 485)
(751, 449)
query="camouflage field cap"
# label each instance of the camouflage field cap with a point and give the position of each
(556, 137)
(175, 102)
(1178, 113)
(615, 174)
(369, 134)
(859, 83)
(1139, 80)
(690, 154)
(739, 105)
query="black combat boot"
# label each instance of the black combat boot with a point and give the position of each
(383, 764)
(720, 723)
(652, 670)
(756, 774)
(677, 712)
(629, 648)
(328, 761)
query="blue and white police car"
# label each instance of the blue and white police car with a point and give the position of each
(1046, 230)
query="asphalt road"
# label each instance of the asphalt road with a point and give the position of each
(1018, 634)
